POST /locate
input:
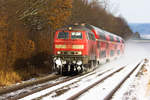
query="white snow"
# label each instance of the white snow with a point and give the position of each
(133, 89)
(107, 86)
(122, 93)
(145, 36)
(43, 92)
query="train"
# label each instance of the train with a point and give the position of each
(80, 47)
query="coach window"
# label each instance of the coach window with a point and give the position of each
(118, 40)
(102, 36)
(76, 35)
(112, 53)
(103, 54)
(111, 38)
(118, 52)
(93, 37)
(89, 36)
(63, 35)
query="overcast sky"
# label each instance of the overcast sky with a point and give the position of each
(135, 11)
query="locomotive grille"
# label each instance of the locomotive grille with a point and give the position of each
(70, 53)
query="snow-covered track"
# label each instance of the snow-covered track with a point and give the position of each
(5, 91)
(108, 88)
(94, 84)
(27, 84)
(61, 87)
(29, 87)
(134, 72)
(26, 88)
(80, 86)
(40, 93)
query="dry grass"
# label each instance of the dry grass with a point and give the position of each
(10, 77)
(32, 72)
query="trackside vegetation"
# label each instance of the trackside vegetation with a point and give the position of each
(27, 28)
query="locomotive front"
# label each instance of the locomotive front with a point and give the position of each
(81, 47)
(70, 50)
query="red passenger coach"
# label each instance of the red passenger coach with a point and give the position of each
(109, 46)
(80, 47)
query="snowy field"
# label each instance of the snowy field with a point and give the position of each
(139, 89)
(134, 89)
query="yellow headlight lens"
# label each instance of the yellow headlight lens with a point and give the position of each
(60, 46)
(79, 53)
(77, 46)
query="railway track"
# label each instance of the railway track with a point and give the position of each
(30, 87)
(62, 88)
(69, 80)
(105, 90)
(12, 91)
(79, 86)
(27, 84)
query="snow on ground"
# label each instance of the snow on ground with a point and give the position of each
(79, 82)
(103, 89)
(129, 90)
(137, 90)
(134, 89)
(145, 36)
(29, 89)
(140, 87)
(142, 90)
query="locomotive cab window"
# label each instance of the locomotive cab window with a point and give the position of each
(90, 36)
(76, 35)
(63, 35)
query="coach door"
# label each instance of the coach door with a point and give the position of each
(91, 45)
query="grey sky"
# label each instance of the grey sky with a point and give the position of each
(136, 11)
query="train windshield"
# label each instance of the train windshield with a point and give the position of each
(76, 35)
(63, 35)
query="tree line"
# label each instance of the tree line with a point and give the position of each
(27, 28)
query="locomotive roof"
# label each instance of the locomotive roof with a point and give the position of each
(88, 27)
(104, 32)
(75, 28)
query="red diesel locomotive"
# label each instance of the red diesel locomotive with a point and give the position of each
(80, 47)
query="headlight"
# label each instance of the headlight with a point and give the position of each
(79, 62)
(79, 53)
(77, 46)
(58, 52)
(64, 62)
(58, 61)
(73, 61)
(60, 46)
